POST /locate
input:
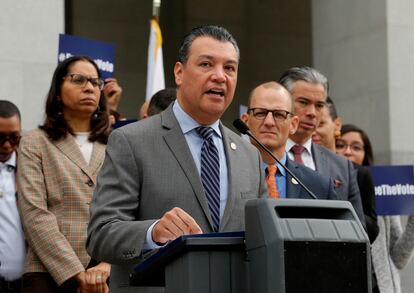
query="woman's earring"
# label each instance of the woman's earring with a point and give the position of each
(337, 134)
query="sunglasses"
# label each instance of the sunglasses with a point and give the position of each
(12, 138)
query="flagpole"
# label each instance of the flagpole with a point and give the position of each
(155, 64)
(156, 4)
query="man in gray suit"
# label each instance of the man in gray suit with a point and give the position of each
(271, 119)
(153, 187)
(309, 89)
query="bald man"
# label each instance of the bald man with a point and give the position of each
(271, 119)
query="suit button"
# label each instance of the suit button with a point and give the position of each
(90, 183)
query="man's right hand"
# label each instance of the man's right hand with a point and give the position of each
(174, 224)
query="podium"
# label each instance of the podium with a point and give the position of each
(197, 263)
(306, 246)
(289, 246)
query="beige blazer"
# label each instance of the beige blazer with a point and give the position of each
(55, 189)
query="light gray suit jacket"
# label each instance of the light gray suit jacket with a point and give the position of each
(344, 175)
(148, 170)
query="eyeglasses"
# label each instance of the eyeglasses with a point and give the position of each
(12, 138)
(278, 115)
(82, 80)
(355, 147)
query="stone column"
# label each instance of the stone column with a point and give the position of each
(366, 50)
(29, 32)
(351, 47)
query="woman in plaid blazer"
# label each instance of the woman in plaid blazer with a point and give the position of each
(57, 168)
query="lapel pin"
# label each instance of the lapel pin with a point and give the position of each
(233, 146)
(294, 181)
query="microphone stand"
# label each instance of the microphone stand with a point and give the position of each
(242, 127)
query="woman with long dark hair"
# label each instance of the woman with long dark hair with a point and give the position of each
(57, 168)
(393, 247)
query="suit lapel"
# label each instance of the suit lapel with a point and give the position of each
(175, 140)
(230, 149)
(321, 163)
(70, 149)
(97, 159)
(293, 190)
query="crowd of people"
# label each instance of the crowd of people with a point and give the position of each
(81, 202)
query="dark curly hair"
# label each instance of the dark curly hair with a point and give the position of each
(55, 125)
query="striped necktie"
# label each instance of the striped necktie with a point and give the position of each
(210, 173)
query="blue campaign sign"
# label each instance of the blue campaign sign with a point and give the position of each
(102, 53)
(394, 189)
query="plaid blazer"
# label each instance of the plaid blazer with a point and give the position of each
(55, 189)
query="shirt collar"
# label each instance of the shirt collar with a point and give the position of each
(307, 145)
(11, 162)
(280, 169)
(187, 123)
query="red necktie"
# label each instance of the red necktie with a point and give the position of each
(271, 181)
(297, 151)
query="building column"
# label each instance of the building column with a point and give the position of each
(357, 46)
(29, 33)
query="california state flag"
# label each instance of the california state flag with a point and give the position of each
(155, 67)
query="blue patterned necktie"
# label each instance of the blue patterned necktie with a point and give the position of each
(210, 173)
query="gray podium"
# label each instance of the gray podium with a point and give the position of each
(289, 246)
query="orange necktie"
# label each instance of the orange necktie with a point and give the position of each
(271, 181)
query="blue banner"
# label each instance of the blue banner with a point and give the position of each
(394, 189)
(102, 53)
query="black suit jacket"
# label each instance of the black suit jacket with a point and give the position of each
(366, 188)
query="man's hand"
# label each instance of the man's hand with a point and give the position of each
(173, 224)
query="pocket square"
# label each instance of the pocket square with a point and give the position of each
(337, 183)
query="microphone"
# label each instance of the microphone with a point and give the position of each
(244, 129)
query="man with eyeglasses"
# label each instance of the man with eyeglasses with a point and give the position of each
(309, 89)
(270, 118)
(12, 243)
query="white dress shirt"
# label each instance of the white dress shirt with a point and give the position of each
(307, 157)
(12, 243)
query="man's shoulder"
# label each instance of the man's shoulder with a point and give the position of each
(147, 126)
(340, 160)
(305, 172)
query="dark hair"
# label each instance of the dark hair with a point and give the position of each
(8, 109)
(369, 154)
(304, 73)
(332, 109)
(161, 100)
(55, 125)
(216, 32)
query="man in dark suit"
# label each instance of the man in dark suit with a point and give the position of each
(153, 186)
(270, 118)
(309, 89)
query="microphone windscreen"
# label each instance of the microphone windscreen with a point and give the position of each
(240, 126)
